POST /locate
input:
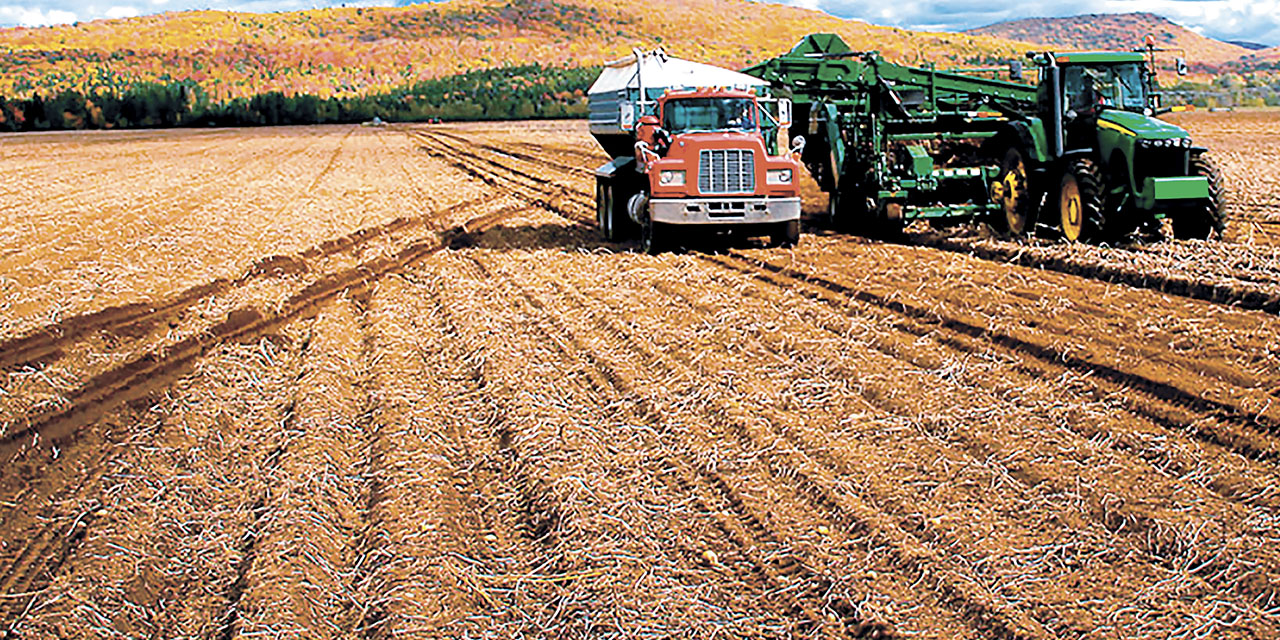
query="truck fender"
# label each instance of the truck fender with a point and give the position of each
(615, 167)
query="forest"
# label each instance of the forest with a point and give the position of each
(506, 93)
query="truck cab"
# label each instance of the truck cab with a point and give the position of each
(693, 148)
(707, 160)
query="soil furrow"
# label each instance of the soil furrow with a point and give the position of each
(857, 519)
(1032, 481)
(155, 369)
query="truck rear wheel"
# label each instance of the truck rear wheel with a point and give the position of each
(604, 209)
(611, 214)
(1080, 201)
(1207, 218)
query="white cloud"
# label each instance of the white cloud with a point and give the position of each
(121, 12)
(34, 17)
(1257, 20)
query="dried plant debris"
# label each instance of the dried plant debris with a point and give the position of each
(392, 384)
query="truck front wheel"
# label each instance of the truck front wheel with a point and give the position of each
(1080, 201)
(653, 237)
(786, 234)
(1205, 218)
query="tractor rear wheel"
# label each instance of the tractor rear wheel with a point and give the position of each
(1208, 217)
(1015, 192)
(1080, 201)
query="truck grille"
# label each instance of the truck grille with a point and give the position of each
(726, 171)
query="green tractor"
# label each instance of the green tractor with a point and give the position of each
(1092, 159)
(1081, 151)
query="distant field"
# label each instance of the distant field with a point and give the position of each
(345, 382)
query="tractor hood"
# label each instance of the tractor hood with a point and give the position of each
(1139, 126)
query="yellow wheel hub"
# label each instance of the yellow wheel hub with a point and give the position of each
(1071, 208)
(1012, 188)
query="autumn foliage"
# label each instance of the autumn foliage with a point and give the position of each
(354, 52)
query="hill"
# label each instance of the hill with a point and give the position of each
(1252, 46)
(1122, 31)
(360, 51)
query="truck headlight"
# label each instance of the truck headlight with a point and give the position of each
(671, 177)
(778, 176)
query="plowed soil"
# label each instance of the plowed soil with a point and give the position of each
(346, 382)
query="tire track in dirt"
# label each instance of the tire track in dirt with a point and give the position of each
(774, 578)
(48, 341)
(529, 553)
(156, 368)
(1249, 428)
(745, 528)
(1250, 447)
(373, 553)
(1240, 294)
(229, 624)
(528, 152)
(1218, 567)
(552, 196)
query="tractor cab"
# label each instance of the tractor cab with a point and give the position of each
(1097, 81)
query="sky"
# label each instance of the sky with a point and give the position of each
(1256, 21)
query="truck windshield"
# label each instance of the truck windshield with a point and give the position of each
(709, 114)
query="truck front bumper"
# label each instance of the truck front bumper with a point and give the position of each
(724, 210)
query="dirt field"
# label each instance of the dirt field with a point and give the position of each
(347, 382)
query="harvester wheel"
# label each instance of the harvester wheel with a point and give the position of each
(889, 221)
(786, 234)
(1015, 192)
(1080, 201)
(1209, 217)
(836, 217)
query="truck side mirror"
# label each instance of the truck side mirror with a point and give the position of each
(626, 115)
(1015, 70)
(1181, 64)
(797, 145)
(784, 113)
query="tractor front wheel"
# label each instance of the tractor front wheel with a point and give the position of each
(1206, 218)
(1080, 201)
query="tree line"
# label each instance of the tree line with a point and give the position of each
(506, 93)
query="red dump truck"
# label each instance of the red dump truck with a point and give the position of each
(694, 147)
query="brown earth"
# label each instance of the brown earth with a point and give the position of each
(372, 383)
